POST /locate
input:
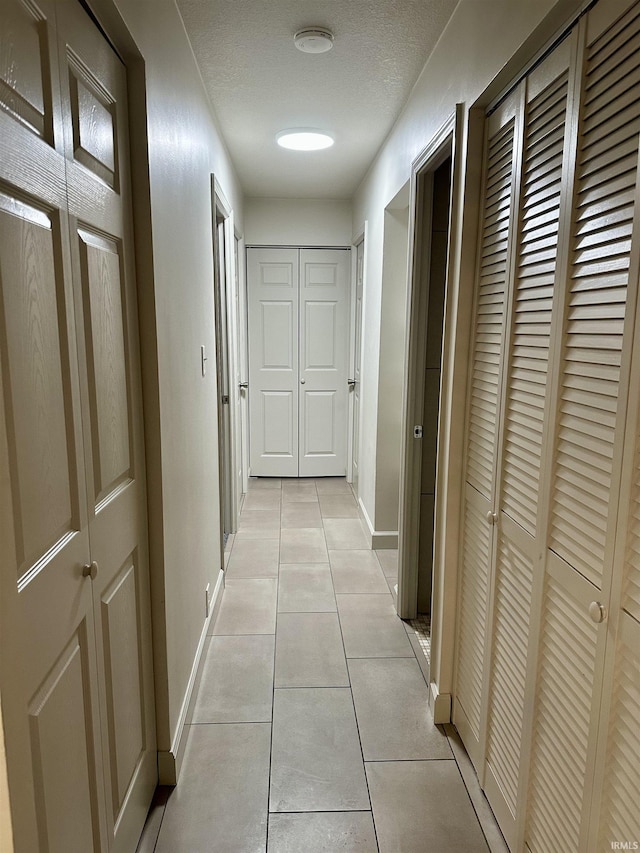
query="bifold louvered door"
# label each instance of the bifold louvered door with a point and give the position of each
(548, 685)
(482, 426)
(581, 622)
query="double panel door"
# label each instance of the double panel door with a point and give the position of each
(75, 665)
(298, 357)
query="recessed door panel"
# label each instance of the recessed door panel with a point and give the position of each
(320, 421)
(277, 423)
(321, 322)
(106, 362)
(38, 394)
(93, 121)
(25, 88)
(64, 765)
(277, 336)
(121, 624)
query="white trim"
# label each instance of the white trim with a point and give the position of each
(439, 704)
(170, 761)
(378, 540)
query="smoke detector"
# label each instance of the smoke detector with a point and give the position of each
(313, 40)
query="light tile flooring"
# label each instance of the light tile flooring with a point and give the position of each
(311, 730)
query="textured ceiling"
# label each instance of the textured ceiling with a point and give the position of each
(259, 83)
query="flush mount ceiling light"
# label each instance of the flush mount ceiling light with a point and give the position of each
(313, 40)
(304, 139)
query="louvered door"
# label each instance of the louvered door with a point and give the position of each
(548, 681)
(483, 423)
(590, 413)
(525, 414)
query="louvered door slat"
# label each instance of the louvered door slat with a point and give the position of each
(514, 576)
(596, 308)
(473, 603)
(565, 683)
(631, 588)
(489, 313)
(620, 815)
(533, 304)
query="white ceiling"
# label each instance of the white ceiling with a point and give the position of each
(259, 83)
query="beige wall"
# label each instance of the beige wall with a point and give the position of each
(176, 286)
(483, 39)
(297, 222)
(390, 370)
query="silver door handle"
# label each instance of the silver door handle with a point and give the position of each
(351, 383)
(302, 381)
(243, 385)
(90, 571)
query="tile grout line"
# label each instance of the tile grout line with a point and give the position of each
(355, 716)
(273, 686)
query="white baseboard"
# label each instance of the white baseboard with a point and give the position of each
(379, 540)
(439, 704)
(170, 761)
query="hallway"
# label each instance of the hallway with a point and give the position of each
(311, 731)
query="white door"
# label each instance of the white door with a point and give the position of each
(273, 294)
(298, 331)
(324, 315)
(77, 690)
(354, 385)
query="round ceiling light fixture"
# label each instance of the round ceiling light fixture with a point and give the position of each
(304, 139)
(313, 40)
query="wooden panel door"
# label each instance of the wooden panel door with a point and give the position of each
(273, 294)
(49, 673)
(324, 315)
(93, 82)
(78, 704)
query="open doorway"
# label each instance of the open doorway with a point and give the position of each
(426, 305)
(225, 288)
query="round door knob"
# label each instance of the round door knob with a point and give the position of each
(90, 571)
(492, 517)
(597, 612)
(302, 381)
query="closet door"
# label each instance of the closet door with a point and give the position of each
(77, 682)
(324, 316)
(273, 295)
(298, 356)
(94, 88)
(483, 421)
(537, 275)
(590, 415)
(50, 695)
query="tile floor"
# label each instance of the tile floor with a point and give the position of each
(311, 730)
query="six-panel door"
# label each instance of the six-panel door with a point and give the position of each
(298, 341)
(76, 663)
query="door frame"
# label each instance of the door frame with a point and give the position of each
(460, 138)
(226, 359)
(240, 261)
(361, 236)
